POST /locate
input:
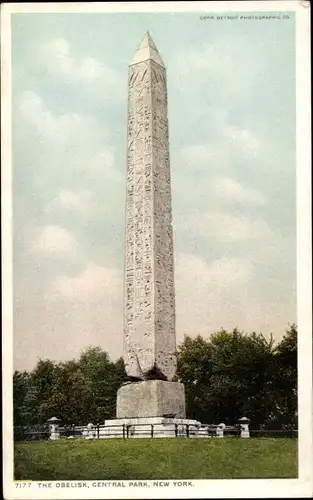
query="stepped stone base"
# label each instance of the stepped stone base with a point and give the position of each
(156, 427)
(151, 398)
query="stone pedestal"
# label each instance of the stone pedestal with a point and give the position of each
(151, 427)
(151, 398)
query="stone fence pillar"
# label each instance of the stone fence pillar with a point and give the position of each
(220, 430)
(54, 428)
(244, 426)
(92, 431)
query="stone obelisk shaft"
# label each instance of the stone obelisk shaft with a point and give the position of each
(149, 327)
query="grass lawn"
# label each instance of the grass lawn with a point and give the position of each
(156, 459)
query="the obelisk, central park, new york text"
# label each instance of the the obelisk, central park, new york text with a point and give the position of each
(149, 321)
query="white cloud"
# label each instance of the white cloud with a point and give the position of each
(57, 49)
(222, 145)
(72, 200)
(66, 143)
(223, 227)
(104, 161)
(54, 240)
(210, 295)
(230, 228)
(226, 272)
(70, 315)
(224, 294)
(58, 57)
(62, 128)
(228, 67)
(93, 283)
(209, 156)
(231, 190)
(241, 138)
(220, 273)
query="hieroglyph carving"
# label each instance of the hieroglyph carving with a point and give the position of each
(149, 331)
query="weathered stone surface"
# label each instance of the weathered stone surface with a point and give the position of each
(151, 420)
(149, 331)
(151, 398)
(156, 427)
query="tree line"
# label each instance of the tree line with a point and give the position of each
(226, 376)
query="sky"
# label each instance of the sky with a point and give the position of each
(231, 96)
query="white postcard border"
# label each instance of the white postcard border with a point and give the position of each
(255, 488)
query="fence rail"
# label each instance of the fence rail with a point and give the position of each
(124, 431)
(31, 433)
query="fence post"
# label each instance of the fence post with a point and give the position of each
(244, 426)
(127, 431)
(176, 430)
(123, 431)
(220, 431)
(54, 428)
(91, 431)
(152, 430)
(98, 431)
(187, 430)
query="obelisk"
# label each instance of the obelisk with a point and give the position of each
(149, 321)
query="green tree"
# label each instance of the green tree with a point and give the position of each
(227, 376)
(105, 378)
(284, 391)
(20, 389)
(76, 391)
(194, 369)
(30, 391)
